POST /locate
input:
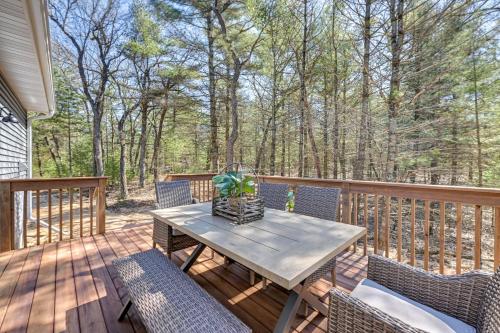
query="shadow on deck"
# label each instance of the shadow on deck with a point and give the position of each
(72, 286)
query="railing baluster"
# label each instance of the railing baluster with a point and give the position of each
(38, 217)
(355, 216)
(210, 190)
(60, 214)
(91, 210)
(49, 213)
(412, 232)
(442, 219)
(206, 190)
(478, 217)
(25, 219)
(375, 226)
(70, 193)
(458, 230)
(80, 194)
(386, 225)
(426, 233)
(400, 228)
(365, 220)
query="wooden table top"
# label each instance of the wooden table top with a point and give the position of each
(284, 247)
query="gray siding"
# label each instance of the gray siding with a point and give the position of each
(13, 137)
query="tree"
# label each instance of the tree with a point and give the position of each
(92, 31)
(396, 12)
(359, 167)
(239, 51)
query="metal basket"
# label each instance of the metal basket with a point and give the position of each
(242, 209)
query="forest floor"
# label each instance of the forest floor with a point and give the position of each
(133, 211)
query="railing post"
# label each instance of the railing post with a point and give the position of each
(6, 218)
(496, 245)
(101, 206)
(346, 203)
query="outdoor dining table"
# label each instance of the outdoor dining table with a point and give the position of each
(283, 247)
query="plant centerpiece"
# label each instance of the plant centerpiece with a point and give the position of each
(235, 196)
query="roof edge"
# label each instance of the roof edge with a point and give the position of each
(38, 16)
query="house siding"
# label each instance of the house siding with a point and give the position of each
(13, 137)
(14, 152)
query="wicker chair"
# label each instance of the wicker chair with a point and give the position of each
(275, 195)
(323, 203)
(460, 303)
(320, 202)
(172, 194)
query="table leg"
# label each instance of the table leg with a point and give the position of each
(192, 258)
(289, 311)
(312, 300)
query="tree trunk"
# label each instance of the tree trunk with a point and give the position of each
(214, 144)
(283, 148)
(227, 106)
(359, 167)
(70, 155)
(262, 146)
(96, 142)
(325, 126)
(123, 162)
(454, 151)
(234, 112)
(38, 159)
(53, 155)
(343, 167)
(143, 142)
(335, 116)
(272, 163)
(397, 35)
(477, 125)
(302, 73)
(157, 142)
(314, 148)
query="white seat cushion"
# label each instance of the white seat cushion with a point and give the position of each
(408, 311)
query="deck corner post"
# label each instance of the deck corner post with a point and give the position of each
(6, 217)
(496, 245)
(101, 206)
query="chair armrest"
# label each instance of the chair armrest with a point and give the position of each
(348, 314)
(459, 296)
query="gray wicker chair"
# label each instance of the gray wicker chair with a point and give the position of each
(275, 195)
(320, 202)
(472, 298)
(172, 194)
(323, 203)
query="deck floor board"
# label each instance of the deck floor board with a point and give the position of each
(72, 286)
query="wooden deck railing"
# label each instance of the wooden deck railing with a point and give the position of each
(442, 228)
(61, 208)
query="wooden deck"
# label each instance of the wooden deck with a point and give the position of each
(71, 286)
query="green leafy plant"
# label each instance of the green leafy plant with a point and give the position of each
(234, 184)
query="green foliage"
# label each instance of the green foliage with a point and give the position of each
(234, 184)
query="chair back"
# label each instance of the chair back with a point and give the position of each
(275, 195)
(320, 202)
(172, 194)
(489, 313)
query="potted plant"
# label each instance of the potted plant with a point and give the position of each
(236, 187)
(235, 196)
